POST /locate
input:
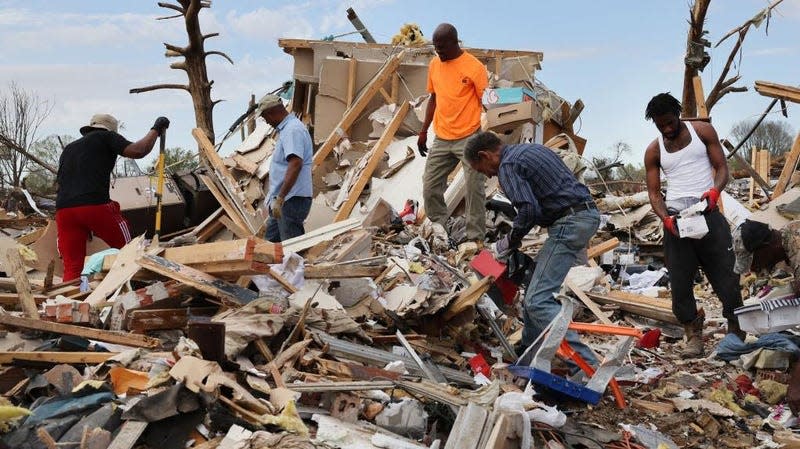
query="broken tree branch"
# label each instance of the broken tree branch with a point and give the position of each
(173, 7)
(219, 53)
(139, 90)
(756, 20)
(6, 142)
(696, 20)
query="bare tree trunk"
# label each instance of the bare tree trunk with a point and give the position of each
(693, 52)
(194, 63)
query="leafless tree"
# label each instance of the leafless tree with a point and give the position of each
(194, 63)
(775, 136)
(21, 114)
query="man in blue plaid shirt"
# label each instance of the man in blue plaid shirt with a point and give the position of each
(545, 193)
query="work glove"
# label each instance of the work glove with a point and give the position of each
(422, 143)
(161, 124)
(712, 196)
(502, 249)
(671, 224)
(277, 207)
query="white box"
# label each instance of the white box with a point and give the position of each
(694, 227)
(757, 319)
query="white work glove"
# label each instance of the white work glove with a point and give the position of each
(501, 249)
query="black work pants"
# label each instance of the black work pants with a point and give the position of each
(714, 253)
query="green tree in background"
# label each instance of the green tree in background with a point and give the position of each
(775, 136)
(177, 159)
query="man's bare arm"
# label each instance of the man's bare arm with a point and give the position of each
(716, 156)
(652, 165)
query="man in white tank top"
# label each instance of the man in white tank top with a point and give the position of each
(691, 158)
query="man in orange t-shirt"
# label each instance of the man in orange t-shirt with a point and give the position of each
(456, 81)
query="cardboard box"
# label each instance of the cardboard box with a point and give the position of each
(503, 96)
(504, 119)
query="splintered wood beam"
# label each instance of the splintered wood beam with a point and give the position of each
(230, 209)
(789, 166)
(17, 270)
(374, 158)
(468, 297)
(69, 358)
(139, 341)
(599, 250)
(778, 91)
(123, 269)
(355, 110)
(699, 97)
(145, 320)
(334, 271)
(228, 182)
(210, 285)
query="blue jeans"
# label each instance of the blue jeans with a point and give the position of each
(567, 237)
(294, 213)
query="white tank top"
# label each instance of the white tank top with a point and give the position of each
(688, 170)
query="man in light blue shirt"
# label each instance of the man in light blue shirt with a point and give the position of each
(290, 189)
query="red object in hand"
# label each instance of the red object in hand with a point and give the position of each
(671, 225)
(712, 195)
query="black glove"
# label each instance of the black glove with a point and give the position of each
(161, 124)
(422, 145)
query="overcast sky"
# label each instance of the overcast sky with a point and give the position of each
(84, 56)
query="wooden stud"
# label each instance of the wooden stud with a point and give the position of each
(123, 269)
(333, 271)
(197, 279)
(92, 358)
(468, 297)
(395, 93)
(282, 280)
(231, 210)
(146, 320)
(591, 305)
(700, 99)
(780, 91)
(351, 81)
(375, 157)
(237, 230)
(85, 332)
(788, 168)
(17, 270)
(355, 110)
(599, 250)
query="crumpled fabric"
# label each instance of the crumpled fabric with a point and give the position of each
(731, 347)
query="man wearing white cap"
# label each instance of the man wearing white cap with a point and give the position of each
(290, 189)
(83, 204)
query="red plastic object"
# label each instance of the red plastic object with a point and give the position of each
(650, 339)
(479, 365)
(486, 265)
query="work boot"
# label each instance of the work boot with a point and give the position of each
(733, 328)
(694, 338)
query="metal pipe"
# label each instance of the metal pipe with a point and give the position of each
(360, 27)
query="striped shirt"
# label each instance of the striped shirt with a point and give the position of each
(539, 185)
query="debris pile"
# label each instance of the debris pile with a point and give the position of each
(373, 329)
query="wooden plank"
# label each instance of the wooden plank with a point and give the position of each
(12, 299)
(355, 110)
(395, 92)
(333, 271)
(789, 167)
(325, 233)
(374, 158)
(144, 320)
(699, 97)
(244, 164)
(283, 281)
(56, 357)
(123, 269)
(229, 184)
(230, 209)
(468, 297)
(351, 80)
(289, 45)
(780, 91)
(128, 435)
(17, 270)
(206, 222)
(140, 341)
(588, 302)
(599, 250)
(237, 230)
(198, 280)
(648, 307)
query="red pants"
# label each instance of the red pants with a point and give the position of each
(75, 225)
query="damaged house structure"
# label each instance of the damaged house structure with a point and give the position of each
(373, 329)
